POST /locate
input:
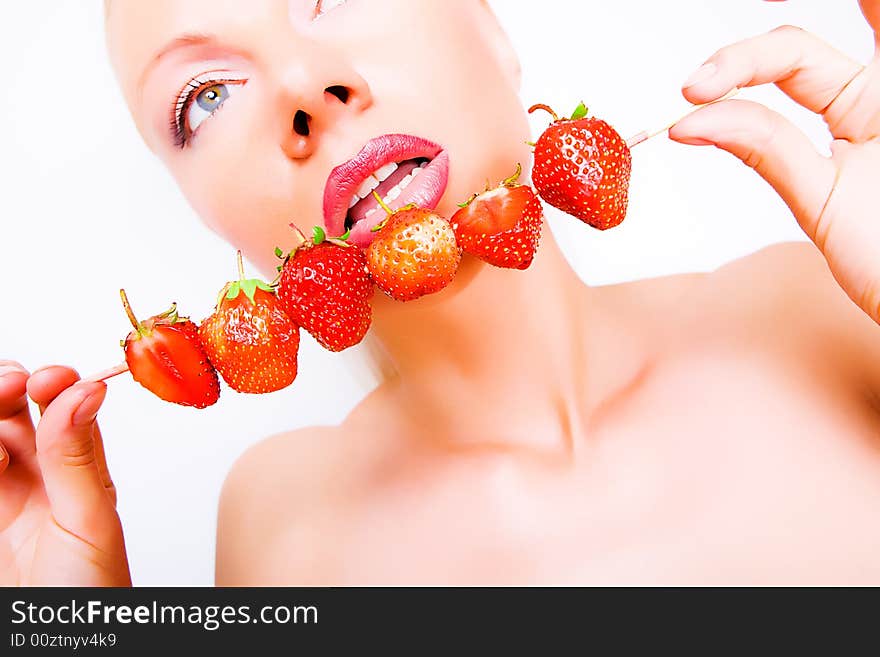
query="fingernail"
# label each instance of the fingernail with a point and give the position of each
(87, 410)
(694, 141)
(6, 371)
(9, 369)
(705, 72)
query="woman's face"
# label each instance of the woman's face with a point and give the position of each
(258, 107)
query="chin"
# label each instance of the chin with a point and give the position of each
(468, 270)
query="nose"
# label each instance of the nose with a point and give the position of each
(317, 89)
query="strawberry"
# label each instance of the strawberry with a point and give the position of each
(165, 356)
(324, 287)
(582, 166)
(414, 253)
(501, 226)
(250, 339)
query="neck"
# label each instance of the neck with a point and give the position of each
(498, 356)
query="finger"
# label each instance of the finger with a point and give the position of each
(47, 383)
(16, 426)
(871, 10)
(44, 386)
(68, 462)
(849, 228)
(803, 66)
(770, 144)
(103, 470)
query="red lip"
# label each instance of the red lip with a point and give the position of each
(345, 179)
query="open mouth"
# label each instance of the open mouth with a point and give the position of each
(400, 169)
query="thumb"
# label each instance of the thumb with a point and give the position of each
(771, 145)
(65, 440)
(871, 10)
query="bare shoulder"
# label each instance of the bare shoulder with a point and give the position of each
(276, 464)
(286, 490)
(269, 485)
(786, 279)
(781, 299)
(787, 293)
(779, 276)
(779, 269)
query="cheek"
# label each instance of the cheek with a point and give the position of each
(243, 192)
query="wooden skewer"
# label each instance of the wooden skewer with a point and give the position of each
(645, 135)
(107, 374)
(635, 140)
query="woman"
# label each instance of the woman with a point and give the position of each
(677, 430)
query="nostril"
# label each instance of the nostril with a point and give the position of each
(301, 123)
(339, 91)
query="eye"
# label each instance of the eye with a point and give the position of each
(324, 6)
(198, 101)
(206, 102)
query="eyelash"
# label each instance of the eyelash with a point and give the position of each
(185, 99)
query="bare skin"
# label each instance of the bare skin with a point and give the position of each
(639, 484)
(717, 428)
(58, 521)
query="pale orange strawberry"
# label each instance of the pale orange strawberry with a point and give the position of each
(413, 254)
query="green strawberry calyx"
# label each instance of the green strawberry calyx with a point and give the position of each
(510, 181)
(285, 256)
(319, 236)
(388, 212)
(247, 285)
(579, 112)
(545, 108)
(145, 328)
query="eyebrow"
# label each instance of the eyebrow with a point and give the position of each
(187, 40)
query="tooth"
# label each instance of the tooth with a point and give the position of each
(367, 186)
(369, 213)
(423, 165)
(415, 172)
(404, 182)
(393, 193)
(383, 172)
(354, 200)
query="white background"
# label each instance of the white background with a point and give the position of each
(86, 209)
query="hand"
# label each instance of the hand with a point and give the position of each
(58, 520)
(836, 200)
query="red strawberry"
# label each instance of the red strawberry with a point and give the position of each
(414, 253)
(582, 166)
(165, 356)
(324, 287)
(501, 226)
(249, 339)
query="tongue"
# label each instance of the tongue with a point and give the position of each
(360, 209)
